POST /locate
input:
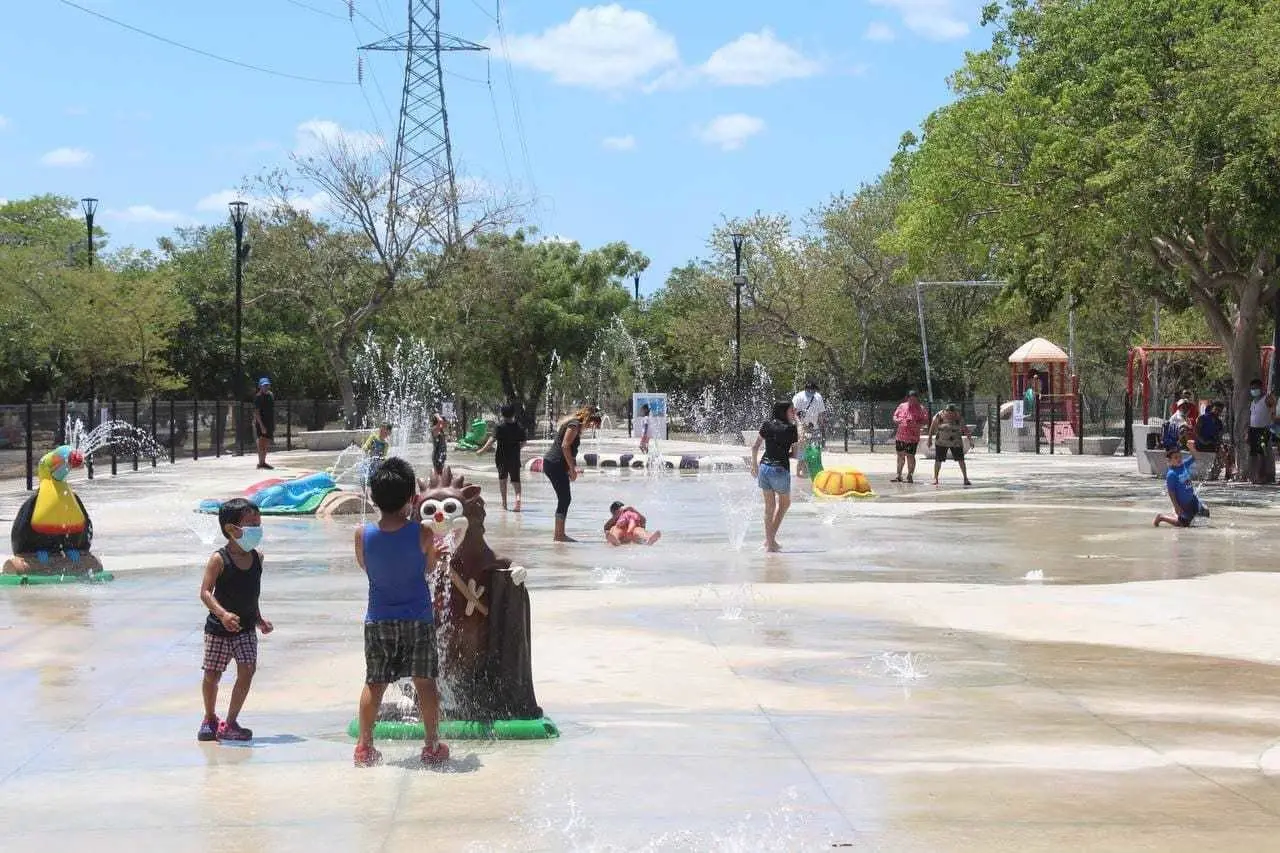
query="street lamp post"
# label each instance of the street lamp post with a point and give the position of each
(90, 207)
(637, 282)
(738, 281)
(238, 211)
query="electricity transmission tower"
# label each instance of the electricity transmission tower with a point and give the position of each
(423, 164)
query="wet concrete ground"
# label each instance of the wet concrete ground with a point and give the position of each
(894, 681)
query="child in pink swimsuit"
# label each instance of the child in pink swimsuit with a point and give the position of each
(626, 525)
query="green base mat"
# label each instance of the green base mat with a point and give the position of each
(540, 729)
(38, 580)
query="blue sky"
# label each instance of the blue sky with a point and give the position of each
(642, 121)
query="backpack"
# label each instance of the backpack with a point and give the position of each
(1170, 436)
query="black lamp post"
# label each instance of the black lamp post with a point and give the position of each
(90, 207)
(238, 211)
(637, 282)
(738, 281)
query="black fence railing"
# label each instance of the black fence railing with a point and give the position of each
(181, 429)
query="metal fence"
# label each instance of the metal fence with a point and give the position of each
(1058, 424)
(182, 429)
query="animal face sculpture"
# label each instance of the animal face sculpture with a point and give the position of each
(445, 517)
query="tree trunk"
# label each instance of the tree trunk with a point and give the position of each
(1243, 359)
(864, 321)
(346, 387)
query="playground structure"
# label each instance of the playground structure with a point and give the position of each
(1054, 418)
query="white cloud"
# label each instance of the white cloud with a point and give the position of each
(619, 143)
(730, 132)
(933, 19)
(758, 59)
(217, 202)
(147, 213)
(317, 134)
(879, 31)
(601, 47)
(69, 157)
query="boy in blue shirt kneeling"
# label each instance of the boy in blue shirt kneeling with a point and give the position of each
(399, 630)
(1182, 495)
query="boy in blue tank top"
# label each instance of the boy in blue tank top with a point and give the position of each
(399, 631)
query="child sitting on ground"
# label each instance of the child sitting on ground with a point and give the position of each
(399, 629)
(626, 525)
(230, 589)
(1186, 506)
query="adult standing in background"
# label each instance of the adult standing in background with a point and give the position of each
(811, 411)
(778, 437)
(264, 420)
(952, 435)
(560, 464)
(911, 419)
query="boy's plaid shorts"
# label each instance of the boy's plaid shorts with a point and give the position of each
(218, 651)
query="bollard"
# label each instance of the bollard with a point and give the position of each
(31, 459)
(113, 444)
(173, 432)
(195, 430)
(135, 426)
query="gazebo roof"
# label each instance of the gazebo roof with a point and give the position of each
(1038, 350)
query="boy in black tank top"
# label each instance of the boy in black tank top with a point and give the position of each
(230, 589)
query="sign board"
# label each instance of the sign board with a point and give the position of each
(657, 404)
(1019, 415)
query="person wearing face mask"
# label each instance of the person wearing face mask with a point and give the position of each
(230, 590)
(1262, 412)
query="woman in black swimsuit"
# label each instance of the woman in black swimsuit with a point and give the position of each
(439, 443)
(561, 463)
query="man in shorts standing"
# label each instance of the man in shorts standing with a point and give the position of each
(399, 628)
(264, 420)
(952, 433)
(507, 439)
(911, 419)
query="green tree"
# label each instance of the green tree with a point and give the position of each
(514, 300)
(1100, 136)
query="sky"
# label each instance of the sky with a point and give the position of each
(649, 122)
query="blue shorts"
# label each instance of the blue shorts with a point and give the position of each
(774, 478)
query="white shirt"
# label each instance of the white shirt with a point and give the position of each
(1259, 414)
(809, 408)
(1178, 420)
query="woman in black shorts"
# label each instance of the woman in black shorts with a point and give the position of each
(561, 463)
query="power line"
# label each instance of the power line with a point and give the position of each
(515, 101)
(497, 120)
(205, 53)
(318, 11)
(490, 15)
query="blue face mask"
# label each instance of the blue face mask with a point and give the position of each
(1255, 393)
(250, 538)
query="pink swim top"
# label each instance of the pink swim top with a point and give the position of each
(627, 518)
